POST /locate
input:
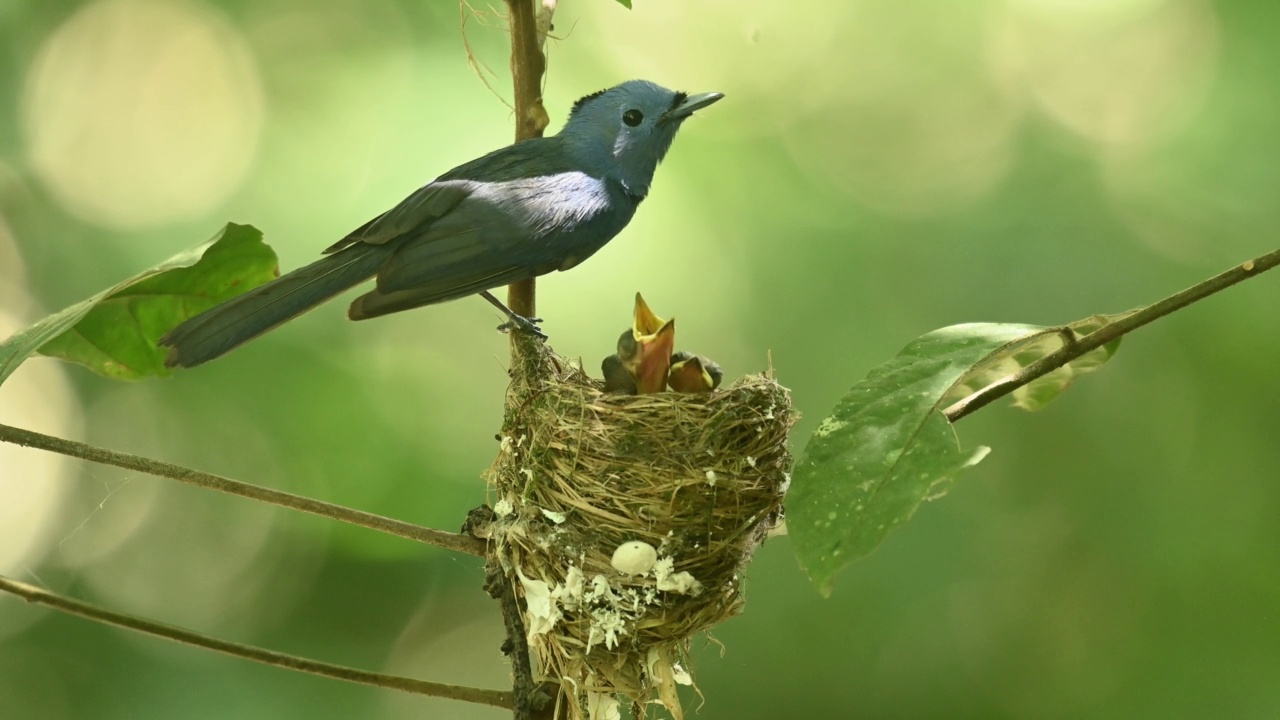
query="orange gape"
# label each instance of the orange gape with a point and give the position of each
(693, 373)
(650, 357)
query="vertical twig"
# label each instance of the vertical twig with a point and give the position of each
(527, 67)
(529, 702)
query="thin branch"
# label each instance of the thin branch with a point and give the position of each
(1110, 332)
(71, 448)
(40, 596)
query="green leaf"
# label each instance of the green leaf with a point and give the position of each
(625, 3)
(886, 448)
(1040, 392)
(114, 332)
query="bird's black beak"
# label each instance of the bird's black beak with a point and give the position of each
(690, 104)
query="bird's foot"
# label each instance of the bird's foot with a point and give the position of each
(520, 323)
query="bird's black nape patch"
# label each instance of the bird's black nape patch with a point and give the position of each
(585, 99)
(678, 99)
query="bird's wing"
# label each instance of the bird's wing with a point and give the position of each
(525, 159)
(528, 159)
(503, 231)
(469, 251)
(377, 302)
(515, 213)
(420, 209)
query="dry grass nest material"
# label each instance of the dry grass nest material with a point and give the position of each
(698, 478)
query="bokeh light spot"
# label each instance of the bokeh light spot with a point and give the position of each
(170, 551)
(910, 128)
(33, 484)
(1116, 78)
(37, 397)
(139, 113)
(1080, 13)
(756, 53)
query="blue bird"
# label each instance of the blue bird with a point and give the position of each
(528, 209)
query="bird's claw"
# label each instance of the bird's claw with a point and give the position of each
(520, 323)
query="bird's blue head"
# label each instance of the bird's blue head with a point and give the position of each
(624, 132)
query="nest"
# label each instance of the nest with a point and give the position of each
(697, 478)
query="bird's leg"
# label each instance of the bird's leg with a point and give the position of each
(514, 321)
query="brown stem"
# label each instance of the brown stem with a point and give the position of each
(528, 699)
(62, 603)
(527, 67)
(1112, 331)
(71, 448)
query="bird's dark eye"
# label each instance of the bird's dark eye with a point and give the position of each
(633, 117)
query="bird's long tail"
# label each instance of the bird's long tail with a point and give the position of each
(227, 326)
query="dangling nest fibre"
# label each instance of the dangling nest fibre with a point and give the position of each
(624, 523)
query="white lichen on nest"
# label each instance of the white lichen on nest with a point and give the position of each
(697, 479)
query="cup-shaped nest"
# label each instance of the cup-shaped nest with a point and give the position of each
(624, 523)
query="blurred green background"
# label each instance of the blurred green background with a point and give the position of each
(878, 169)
